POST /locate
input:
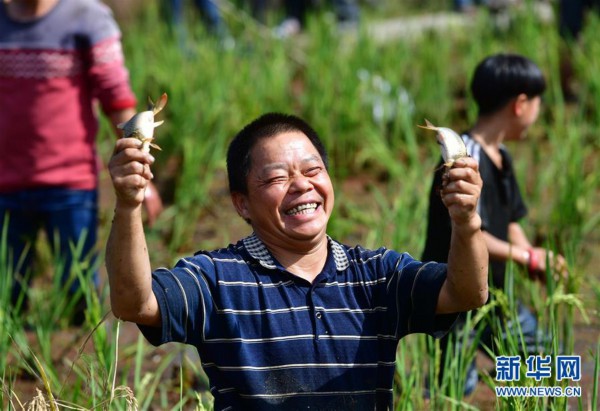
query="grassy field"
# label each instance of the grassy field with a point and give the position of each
(365, 98)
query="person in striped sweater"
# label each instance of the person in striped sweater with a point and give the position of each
(58, 60)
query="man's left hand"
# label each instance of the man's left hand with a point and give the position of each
(461, 188)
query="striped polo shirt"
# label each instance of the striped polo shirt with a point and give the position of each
(268, 339)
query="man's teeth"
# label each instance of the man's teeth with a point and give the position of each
(303, 209)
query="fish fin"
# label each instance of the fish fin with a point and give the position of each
(158, 123)
(160, 104)
(155, 146)
(428, 126)
(121, 126)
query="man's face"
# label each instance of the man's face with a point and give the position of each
(290, 196)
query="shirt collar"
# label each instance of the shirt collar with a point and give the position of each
(258, 250)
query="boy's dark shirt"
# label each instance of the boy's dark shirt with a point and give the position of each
(499, 205)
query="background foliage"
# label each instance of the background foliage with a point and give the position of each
(365, 98)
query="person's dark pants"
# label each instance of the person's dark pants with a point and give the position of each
(259, 10)
(345, 10)
(67, 216)
(208, 9)
(571, 15)
(297, 9)
(461, 5)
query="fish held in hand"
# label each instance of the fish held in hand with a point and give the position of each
(142, 125)
(453, 146)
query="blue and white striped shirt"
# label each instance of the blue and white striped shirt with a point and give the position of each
(269, 339)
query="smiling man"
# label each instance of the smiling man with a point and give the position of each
(289, 317)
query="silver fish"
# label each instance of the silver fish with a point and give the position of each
(453, 146)
(142, 125)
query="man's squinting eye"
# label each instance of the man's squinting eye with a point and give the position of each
(313, 171)
(276, 179)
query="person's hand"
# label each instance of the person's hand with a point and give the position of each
(538, 260)
(129, 169)
(461, 188)
(152, 203)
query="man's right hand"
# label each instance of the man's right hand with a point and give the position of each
(129, 169)
(127, 258)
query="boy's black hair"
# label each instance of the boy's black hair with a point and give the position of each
(502, 77)
(268, 125)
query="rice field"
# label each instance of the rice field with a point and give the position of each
(365, 97)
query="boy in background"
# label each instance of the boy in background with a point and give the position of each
(60, 61)
(507, 89)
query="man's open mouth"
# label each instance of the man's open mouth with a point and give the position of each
(307, 208)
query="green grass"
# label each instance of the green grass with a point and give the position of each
(365, 99)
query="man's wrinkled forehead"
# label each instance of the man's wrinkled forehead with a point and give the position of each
(258, 148)
(305, 161)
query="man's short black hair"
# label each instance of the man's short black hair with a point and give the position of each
(267, 125)
(502, 77)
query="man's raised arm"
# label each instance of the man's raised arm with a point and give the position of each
(466, 285)
(127, 259)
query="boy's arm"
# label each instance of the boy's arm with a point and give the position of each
(517, 236)
(516, 249)
(127, 259)
(520, 250)
(466, 285)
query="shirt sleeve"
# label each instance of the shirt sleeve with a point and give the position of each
(106, 63)
(181, 294)
(412, 291)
